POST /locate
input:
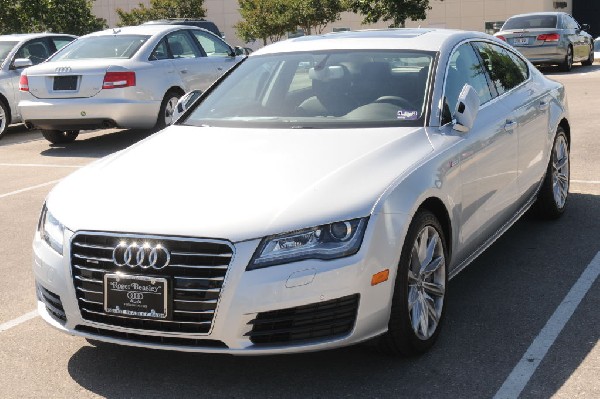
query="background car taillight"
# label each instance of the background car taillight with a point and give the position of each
(501, 37)
(549, 37)
(23, 83)
(113, 80)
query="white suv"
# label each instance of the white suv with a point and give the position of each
(128, 77)
(17, 52)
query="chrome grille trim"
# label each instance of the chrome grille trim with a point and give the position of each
(196, 276)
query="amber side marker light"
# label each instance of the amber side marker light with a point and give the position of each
(380, 277)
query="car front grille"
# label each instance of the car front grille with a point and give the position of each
(325, 319)
(195, 274)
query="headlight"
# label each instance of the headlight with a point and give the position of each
(51, 231)
(330, 241)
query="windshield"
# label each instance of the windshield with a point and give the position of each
(531, 22)
(113, 46)
(597, 45)
(327, 89)
(5, 48)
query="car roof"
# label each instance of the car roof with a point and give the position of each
(405, 38)
(531, 14)
(150, 29)
(26, 36)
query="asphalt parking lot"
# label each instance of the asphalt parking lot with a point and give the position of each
(524, 315)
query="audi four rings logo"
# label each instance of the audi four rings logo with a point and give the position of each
(145, 256)
(62, 69)
(135, 296)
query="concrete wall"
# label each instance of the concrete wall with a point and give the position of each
(456, 14)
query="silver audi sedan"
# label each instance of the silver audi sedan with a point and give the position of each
(549, 38)
(320, 194)
(127, 77)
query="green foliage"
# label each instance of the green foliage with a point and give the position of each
(161, 9)
(64, 16)
(397, 11)
(314, 15)
(264, 20)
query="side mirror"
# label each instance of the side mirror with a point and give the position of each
(467, 108)
(239, 51)
(185, 103)
(585, 27)
(20, 63)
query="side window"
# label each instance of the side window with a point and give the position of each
(506, 70)
(60, 42)
(36, 50)
(464, 68)
(182, 46)
(161, 51)
(212, 46)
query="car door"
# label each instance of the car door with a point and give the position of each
(488, 152)
(577, 37)
(218, 57)
(529, 103)
(184, 54)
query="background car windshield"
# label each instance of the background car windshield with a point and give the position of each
(5, 48)
(113, 46)
(321, 89)
(531, 22)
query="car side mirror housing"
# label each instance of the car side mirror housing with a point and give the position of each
(20, 63)
(585, 27)
(185, 103)
(467, 108)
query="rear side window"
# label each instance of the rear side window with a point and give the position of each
(506, 69)
(531, 22)
(182, 45)
(105, 46)
(60, 42)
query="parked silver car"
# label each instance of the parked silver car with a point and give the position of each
(17, 52)
(124, 77)
(320, 195)
(549, 38)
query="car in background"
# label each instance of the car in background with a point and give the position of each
(321, 194)
(549, 38)
(597, 49)
(199, 22)
(127, 77)
(19, 51)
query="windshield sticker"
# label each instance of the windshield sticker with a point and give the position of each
(407, 115)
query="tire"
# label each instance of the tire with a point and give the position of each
(4, 118)
(418, 284)
(552, 197)
(167, 107)
(59, 136)
(568, 63)
(590, 59)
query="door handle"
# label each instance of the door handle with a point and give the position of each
(510, 126)
(544, 105)
(184, 71)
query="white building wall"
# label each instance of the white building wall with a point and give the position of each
(455, 14)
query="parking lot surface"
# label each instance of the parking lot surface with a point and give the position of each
(521, 320)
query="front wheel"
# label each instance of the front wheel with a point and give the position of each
(419, 291)
(4, 116)
(59, 136)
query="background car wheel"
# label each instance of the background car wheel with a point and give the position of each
(60, 137)
(590, 59)
(552, 198)
(167, 108)
(420, 287)
(568, 63)
(4, 118)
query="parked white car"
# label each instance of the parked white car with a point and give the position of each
(17, 52)
(320, 195)
(124, 77)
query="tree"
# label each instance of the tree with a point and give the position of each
(264, 20)
(161, 9)
(65, 16)
(316, 14)
(396, 10)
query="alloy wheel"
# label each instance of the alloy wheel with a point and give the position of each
(560, 171)
(426, 283)
(170, 109)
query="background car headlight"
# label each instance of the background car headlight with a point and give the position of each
(329, 241)
(51, 231)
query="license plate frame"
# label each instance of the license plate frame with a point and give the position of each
(520, 41)
(65, 83)
(136, 296)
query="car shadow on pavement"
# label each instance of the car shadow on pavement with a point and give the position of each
(97, 146)
(496, 308)
(555, 70)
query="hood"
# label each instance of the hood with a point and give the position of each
(237, 184)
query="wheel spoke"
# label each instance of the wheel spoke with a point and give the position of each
(430, 251)
(412, 297)
(432, 312)
(424, 316)
(434, 288)
(561, 163)
(416, 316)
(432, 267)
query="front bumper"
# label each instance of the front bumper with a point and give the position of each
(88, 113)
(245, 295)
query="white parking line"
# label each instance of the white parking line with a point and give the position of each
(521, 374)
(19, 320)
(40, 165)
(29, 188)
(586, 181)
